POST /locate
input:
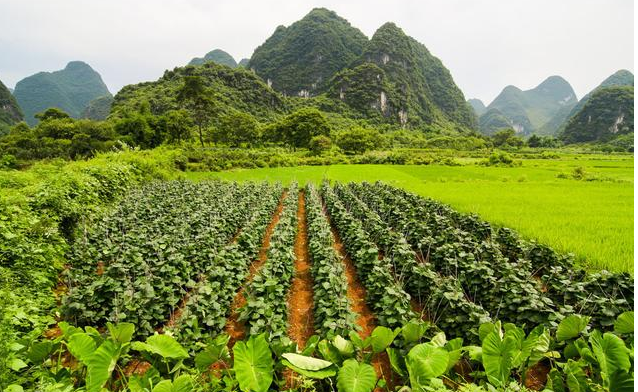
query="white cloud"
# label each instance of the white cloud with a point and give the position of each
(486, 44)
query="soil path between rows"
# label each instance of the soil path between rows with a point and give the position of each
(234, 327)
(357, 296)
(300, 297)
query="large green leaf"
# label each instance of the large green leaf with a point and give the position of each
(356, 377)
(381, 338)
(122, 332)
(253, 364)
(163, 345)
(621, 381)
(497, 356)
(575, 377)
(183, 383)
(39, 351)
(611, 353)
(426, 361)
(397, 361)
(625, 323)
(100, 365)
(309, 366)
(413, 331)
(81, 346)
(571, 327)
(306, 363)
(345, 347)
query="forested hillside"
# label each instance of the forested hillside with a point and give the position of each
(69, 89)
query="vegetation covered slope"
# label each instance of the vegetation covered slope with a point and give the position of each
(218, 56)
(619, 78)
(10, 112)
(477, 105)
(301, 58)
(607, 114)
(539, 110)
(70, 89)
(228, 88)
(99, 108)
(399, 78)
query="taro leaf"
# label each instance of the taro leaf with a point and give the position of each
(413, 331)
(621, 381)
(486, 329)
(39, 351)
(611, 353)
(163, 345)
(100, 365)
(16, 364)
(575, 377)
(439, 339)
(14, 388)
(356, 340)
(215, 351)
(397, 361)
(311, 345)
(253, 364)
(356, 377)
(345, 347)
(424, 362)
(309, 366)
(381, 338)
(571, 327)
(625, 323)
(121, 332)
(475, 353)
(497, 358)
(555, 381)
(329, 352)
(183, 383)
(81, 346)
(455, 350)
(68, 329)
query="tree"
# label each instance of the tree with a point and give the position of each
(507, 137)
(319, 144)
(359, 140)
(50, 114)
(178, 125)
(197, 99)
(236, 128)
(534, 141)
(298, 128)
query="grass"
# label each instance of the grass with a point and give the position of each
(592, 218)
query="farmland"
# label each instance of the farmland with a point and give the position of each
(590, 217)
(361, 279)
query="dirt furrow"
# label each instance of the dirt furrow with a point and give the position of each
(235, 328)
(300, 299)
(357, 296)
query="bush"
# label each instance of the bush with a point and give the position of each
(319, 144)
(359, 140)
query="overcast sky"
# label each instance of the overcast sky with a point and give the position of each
(486, 44)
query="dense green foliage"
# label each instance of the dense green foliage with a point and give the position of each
(302, 58)
(98, 108)
(227, 88)
(572, 357)
(217, 56)
(608, 114)
(70, 89)
(539, 110)
(619, 78)
(10, 112)
(298, 128)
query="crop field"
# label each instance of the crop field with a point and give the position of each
(591, 217)
(201, 267)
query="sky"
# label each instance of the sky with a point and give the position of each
(486, 44)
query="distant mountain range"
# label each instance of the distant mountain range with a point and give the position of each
(325, 62)
(70, 89)
(540, 110)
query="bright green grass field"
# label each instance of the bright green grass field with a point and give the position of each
(592, 219)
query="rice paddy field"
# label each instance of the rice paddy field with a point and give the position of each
(577, 204)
